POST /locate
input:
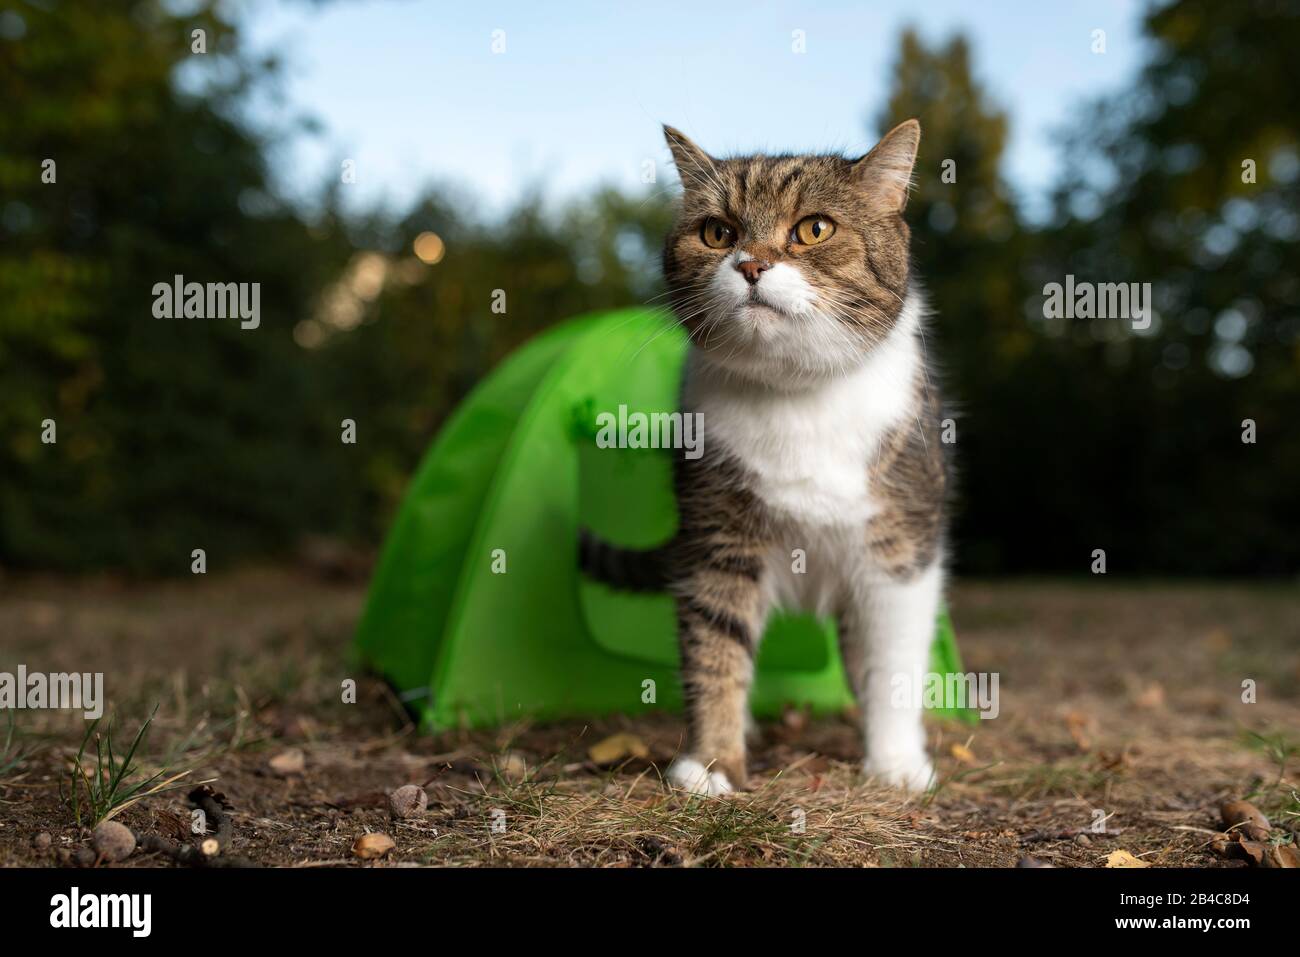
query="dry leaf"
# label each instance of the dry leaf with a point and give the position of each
(1153, 696)
(1283, 855)
(1253, 851)
(373, 845)
(1242, 818)
(963, 754)
(1077, 723)
(1124, 859)
(289, 762)
(617, 747)
(1218, 640)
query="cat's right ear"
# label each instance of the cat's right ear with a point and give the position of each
(696, 167)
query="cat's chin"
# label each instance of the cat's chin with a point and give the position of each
(769, 366)
(762, 312)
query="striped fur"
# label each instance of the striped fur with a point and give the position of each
(808, 366)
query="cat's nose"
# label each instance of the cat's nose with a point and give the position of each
(751, 269)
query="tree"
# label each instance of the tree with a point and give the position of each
(171, 434)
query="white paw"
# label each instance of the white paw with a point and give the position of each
(690, 775)
(914, 772)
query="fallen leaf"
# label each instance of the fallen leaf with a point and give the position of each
(617, 747)
(1112, 761)
(1241, 818)
(1253, 851)
(1124, 859)
(1153, 696)
(963, 754)
(289, 762)
(1282, 855)
(1077, 724)
(372, 845)
(1218, 640)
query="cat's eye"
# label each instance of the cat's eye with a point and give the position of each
(716, 234)
(812, 230)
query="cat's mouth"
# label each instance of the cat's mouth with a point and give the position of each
(757, 307)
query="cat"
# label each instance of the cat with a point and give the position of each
(807, 361)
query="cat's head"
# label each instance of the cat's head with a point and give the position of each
(790, 268)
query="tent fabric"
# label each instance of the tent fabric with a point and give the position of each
(478, 614)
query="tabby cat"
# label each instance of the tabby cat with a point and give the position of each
(822, 482)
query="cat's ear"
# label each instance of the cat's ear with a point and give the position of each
(697, 168)
(886, 172)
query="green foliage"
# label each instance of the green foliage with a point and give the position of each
(171, 434)
(100, 791)
(12, 754)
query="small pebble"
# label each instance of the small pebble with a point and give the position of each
(113, 841)
(407, 802)
(513, 766)
(42, 841)
(1083, 839)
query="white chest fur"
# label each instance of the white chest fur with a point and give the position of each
(809, 451)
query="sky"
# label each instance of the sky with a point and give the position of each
(414, 93)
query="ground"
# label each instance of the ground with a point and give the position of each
(1119, 702)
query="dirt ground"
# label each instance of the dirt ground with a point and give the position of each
(1119, 702)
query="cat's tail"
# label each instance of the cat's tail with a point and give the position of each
(629, 569)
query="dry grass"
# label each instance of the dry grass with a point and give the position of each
(1117, 701)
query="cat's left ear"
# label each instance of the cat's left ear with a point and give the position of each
(886, 172)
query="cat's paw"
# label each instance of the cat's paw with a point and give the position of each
(690, 775)
(913, 772)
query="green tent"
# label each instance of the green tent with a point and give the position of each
(478, 613)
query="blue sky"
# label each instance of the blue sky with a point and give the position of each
(413, 92)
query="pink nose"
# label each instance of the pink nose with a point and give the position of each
(751, 269)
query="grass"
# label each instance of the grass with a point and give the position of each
(610, 819)
(1067, 778)
(1278, 802)
(101, 792)
(263, 675)
(11, 755)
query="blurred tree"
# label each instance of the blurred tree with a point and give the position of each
(434, 330)
(171, 434)
(1191, 182)
(968, 244)
(181, 434)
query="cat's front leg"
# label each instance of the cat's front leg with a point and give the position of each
(719, 620)
(887, 633)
